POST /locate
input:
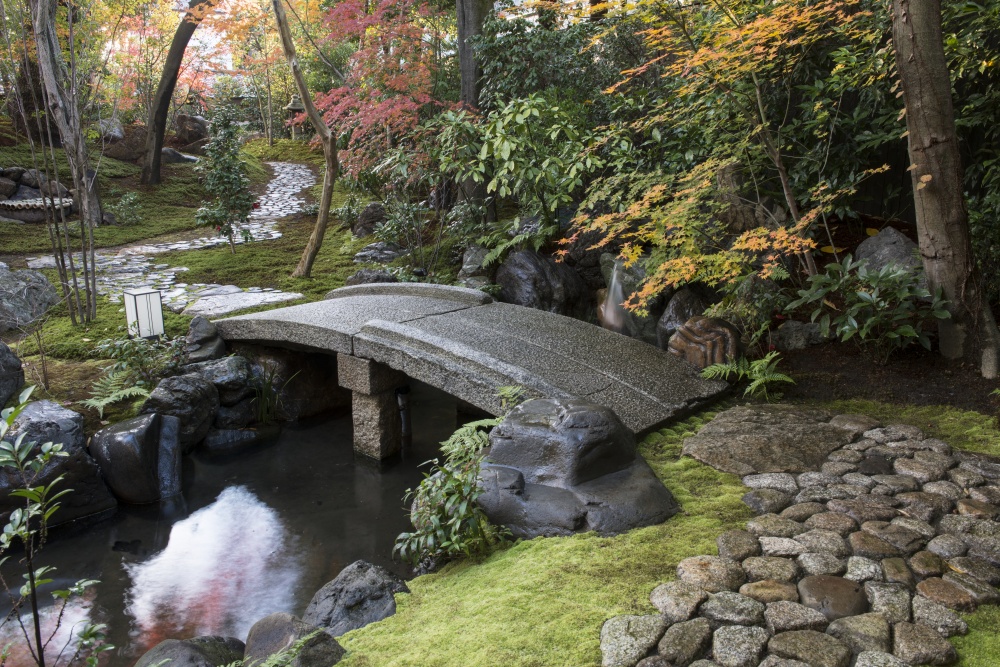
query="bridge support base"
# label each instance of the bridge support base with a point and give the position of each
(377, 425)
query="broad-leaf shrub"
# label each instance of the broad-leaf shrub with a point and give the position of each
(884, 310)
(224, 175)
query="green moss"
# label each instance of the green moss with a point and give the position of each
(20, 155)
(981, 647)
(542, 602)
(285, 150)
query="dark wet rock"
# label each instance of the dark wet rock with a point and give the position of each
(770, 591)
(921, 645)
(761, 568)
(739, 646)
(240, 415)
(192, 399)
(361, 594)
(279, 631)
(867, 632)
(834, 522)
(231, 376)
(677, 600)
(703, 341)
(203, 342)
(711, 573)
(685, 304)
(207, 651)
(367, 276)
(766, 438)
(801, 512)
(222, 441)
(578, 472)
(627, 639)
(303, 384)
(834, 597)
(7, 187)
(813, 648)
(815, 563)
(527, 278)
(683, 643)
(935, 615)
(728, 608)
(863, 569)
(785, 616)
(772, 525)
(766, 501)
(140, 458)
(45, 421)
(11, 374)
(890, 600)
(737, 545)
(24, 297)
(874, 464)
(370, 217)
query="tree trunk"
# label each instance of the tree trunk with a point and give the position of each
(936, 172)
(471, 16)
(326, 137)
(156, 124)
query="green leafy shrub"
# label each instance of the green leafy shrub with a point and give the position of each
(144, 362)
(761, 373)
(127, 210)
(884, 310)
(224, 175)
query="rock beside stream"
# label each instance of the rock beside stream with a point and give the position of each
(361, 594)
(280, 631)
(206, 651)
(192, 399)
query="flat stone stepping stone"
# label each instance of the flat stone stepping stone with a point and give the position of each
(677, 600)
(786, 616)
(223, 304)
(834, 597)
(920, 645)
(737, 545)
(627, 639)
(739, 646)
(732, 608)
(683, 643)
(813, 648)
(770, 590)
(764, 568)
(879, 659)
(890, 600)
(711, 573)
(867, 632)
(946, 622)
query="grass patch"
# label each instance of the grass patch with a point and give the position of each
(542, 602)
(167, 208)
(981, 647)
(285, 150)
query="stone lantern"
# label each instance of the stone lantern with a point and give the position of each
(294, 108)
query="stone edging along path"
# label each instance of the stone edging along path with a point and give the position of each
(132, 267)
(862, 562)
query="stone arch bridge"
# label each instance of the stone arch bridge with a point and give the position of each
(462, 342)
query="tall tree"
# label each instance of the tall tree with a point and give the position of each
(156, 125)
(936, 171)
(471, 16)
(326, 137)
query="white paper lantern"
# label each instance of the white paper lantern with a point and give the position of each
(144, 312)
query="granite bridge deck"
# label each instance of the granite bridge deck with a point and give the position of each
(462, 342)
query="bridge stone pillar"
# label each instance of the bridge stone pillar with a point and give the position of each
(377, 426)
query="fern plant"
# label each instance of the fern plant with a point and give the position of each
(762, 375)
(115, 386)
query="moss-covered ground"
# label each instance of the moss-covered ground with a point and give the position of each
(542, 602)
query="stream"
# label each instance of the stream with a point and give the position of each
(254, 533)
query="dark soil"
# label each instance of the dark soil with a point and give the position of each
(914, 376)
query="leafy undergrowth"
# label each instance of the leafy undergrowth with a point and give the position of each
(543, 601)
(167, 208)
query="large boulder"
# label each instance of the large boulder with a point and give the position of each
(45, 421)
(110, 129)
(526, 278)
(190, 129)
(279, 632)
(474, 274)
(170, 156)
(24, 297)
(369, 218)
(767, 438)
(889, 246)
(140, 457)
(232, 376)
(192, 399)
(361, 594)
(557, 467)
(207, 651)
(7, 187)
(368, 276)
(203, 342)
(11, 374)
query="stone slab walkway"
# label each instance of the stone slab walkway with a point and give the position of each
(460, 341)
(133, 267)
(865, 560)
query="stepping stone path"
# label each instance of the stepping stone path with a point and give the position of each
(871, 575)
(133, 267)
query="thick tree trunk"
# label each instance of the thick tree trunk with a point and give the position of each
(156, 124)
(936, 172)
(471, 16)
(326, 137)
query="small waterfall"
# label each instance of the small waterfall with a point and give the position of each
(169, 463)
(611, 313)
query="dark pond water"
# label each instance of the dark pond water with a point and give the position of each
(252, 534)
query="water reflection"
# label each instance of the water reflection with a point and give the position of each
(60, 625)
(224, 567)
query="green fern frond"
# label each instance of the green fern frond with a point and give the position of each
(111, 389)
